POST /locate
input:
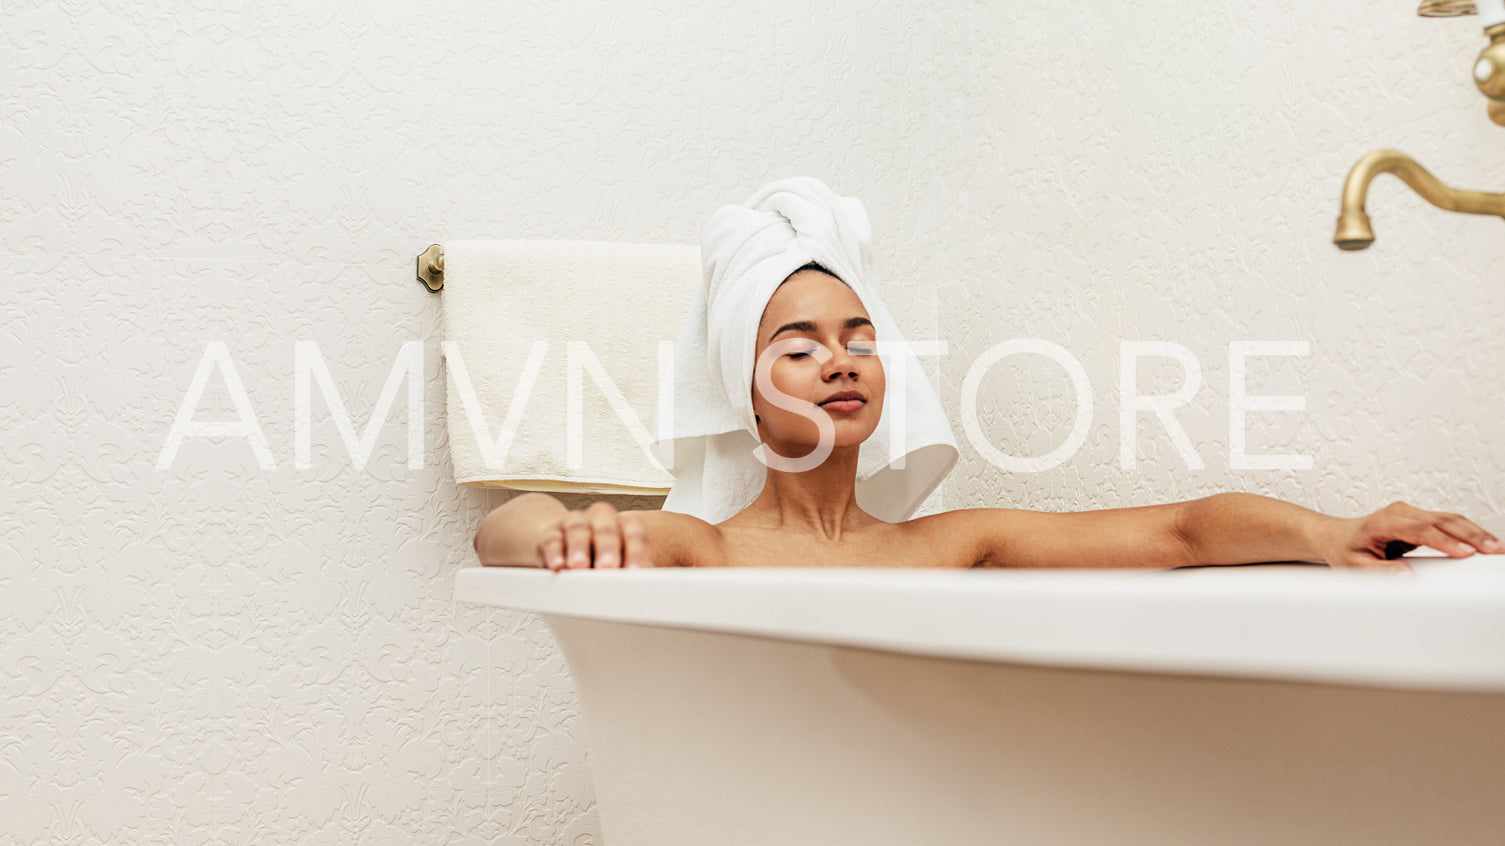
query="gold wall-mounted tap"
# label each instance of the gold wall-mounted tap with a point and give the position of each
(1489, 69)
(1354, 232)
(1489, 73)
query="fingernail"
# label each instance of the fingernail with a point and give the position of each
(558, 561)
(607, 560)
(1494, 545)
(1466, 549)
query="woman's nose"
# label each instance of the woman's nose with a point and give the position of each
(841, 361)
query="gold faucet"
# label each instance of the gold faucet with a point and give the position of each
(1489, 70)
(1353, 223)
(1489, 73)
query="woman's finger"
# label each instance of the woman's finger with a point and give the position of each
(606, 540)
(551, 548)
(1467, 531)
(577, 540)
(1421, 532)
(634, 542)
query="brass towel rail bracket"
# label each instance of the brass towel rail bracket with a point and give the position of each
(431, 268)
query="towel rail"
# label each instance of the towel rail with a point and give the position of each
(431, 268)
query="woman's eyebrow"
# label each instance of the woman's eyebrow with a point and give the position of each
(808, 326)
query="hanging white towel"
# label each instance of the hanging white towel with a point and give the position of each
(705, 424)
(552, 360)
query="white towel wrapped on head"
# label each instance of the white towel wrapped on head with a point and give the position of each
(525, 319)
(705, 425)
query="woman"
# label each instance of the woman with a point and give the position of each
(815, 342)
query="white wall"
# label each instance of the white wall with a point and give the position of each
(1171, 172)
(220, 652)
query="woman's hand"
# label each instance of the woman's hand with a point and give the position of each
(598, 536)
(1376, 540)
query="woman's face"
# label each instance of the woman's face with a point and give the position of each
(812, 308)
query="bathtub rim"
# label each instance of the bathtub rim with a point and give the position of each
(1443, 630)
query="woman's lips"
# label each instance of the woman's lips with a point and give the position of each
(844, 405)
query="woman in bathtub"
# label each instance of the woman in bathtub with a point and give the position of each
(814, 341)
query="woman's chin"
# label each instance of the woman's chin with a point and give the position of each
(852, 433)
(849, 434)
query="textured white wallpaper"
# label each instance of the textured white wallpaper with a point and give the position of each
(1171, 173)
(227, 652)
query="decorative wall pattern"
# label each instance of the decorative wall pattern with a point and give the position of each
(220, 652)
(227, 652)
(1132, 174)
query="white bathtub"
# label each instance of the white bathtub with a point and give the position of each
(1231, 705)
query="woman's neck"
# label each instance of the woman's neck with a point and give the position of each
(821, 502)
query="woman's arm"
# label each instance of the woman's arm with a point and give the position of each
(1230, 528)
(1237, 528)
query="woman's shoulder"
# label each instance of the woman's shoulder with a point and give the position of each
(968, 534)
(950, 535)
(681, 540)
(975, 519)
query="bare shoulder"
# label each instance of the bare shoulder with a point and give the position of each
(972, 535)
(681, 540)
(1016, 537)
